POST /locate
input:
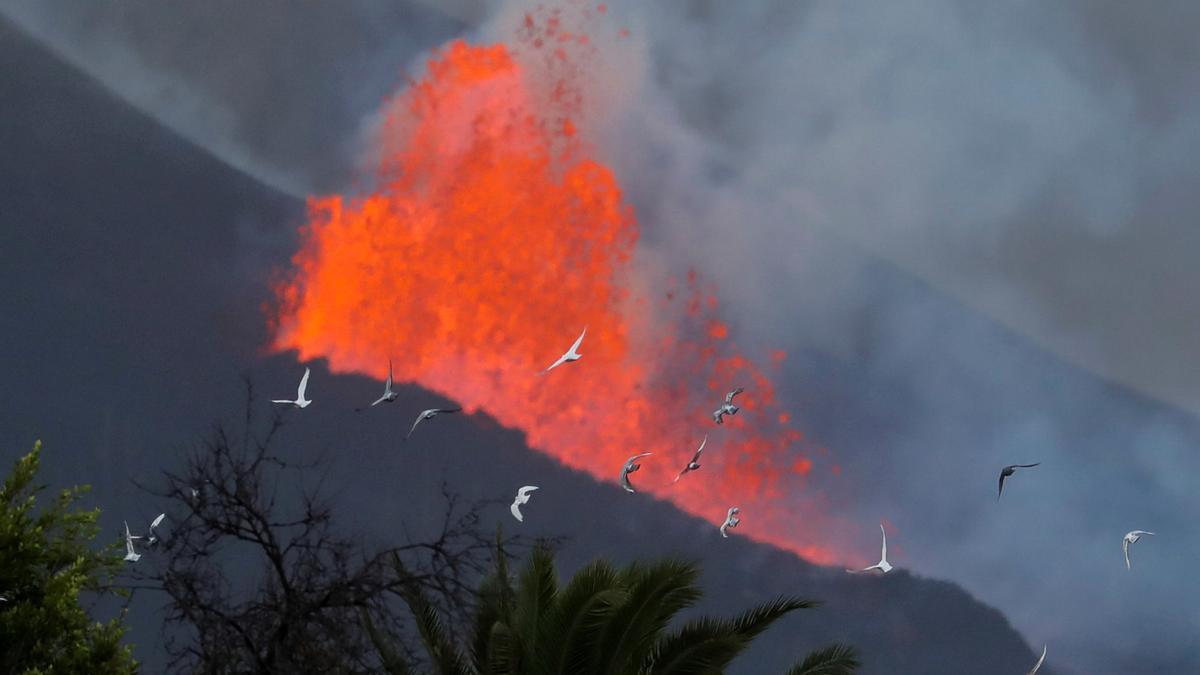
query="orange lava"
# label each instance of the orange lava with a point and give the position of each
(492, 239)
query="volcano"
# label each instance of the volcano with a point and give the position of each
(135, 269)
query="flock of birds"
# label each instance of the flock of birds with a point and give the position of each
(631, 465)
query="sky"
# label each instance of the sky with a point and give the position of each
(1028, 161)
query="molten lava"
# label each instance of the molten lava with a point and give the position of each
(492, 239)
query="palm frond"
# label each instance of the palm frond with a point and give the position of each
(392, 662)
(443, 653)
(753, 622)
(836, 659)
(657, 592)
(579, 615)
(502, 657)
(709, 645)
(536, 595)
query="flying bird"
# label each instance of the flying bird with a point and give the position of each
(695, 463)
(727, 408)
(1131, 538)
(571, 355)
(300, 401)
(1038, 665)
(631, 465)
(388, 394)
(731, 520)
(130, 554)
(522, 498)
(1008, 471)
(883, 565)
(428, 415)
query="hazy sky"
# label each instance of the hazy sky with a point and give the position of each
(1031, 160)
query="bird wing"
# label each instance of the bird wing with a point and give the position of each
(1000, 491)
(157, 521)
(414, 426)
(1038, 665)
(735, 392)
(128, 540)
(278, 400)
(578, 341)
(625, 481)
(696, 457)
(303, 386)
(524, 492)
(1125, 548)
(439, 411)
(644, 454)
(724, 527)
(516, 511)
(884, 543)
(379, 400)
(685, 470)
(1026, 466)
(387, 386)
(717, 416)
(561, 360)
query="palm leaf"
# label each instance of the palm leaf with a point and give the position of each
(495, 604)
(709, 645)
(391, 661)
(580, 613)
(502, 658)
(836, 659)
(443, 653)
(656, 593)
(536, 594)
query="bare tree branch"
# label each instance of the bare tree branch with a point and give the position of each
(259, 578)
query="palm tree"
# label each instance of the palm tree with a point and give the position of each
(604, 621)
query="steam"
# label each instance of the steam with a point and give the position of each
(814, 159)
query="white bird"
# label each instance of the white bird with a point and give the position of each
(300, 401)
(1008, 471)
(883, 565)
(522, 498)
(695, 463)
(571, 355)
(1038, 665)
(388, 394)
(727, 408)
(731, 520)
(1131, 538)
(130, 554)
(152, 537)
(631, 466)
(195, 493)
(428, 415)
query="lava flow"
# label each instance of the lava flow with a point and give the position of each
(491, 240)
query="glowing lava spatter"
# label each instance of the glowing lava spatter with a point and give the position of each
(491, 241)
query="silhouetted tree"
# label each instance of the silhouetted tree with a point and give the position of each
(46, 562)
(605, 621)
(261, 579)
